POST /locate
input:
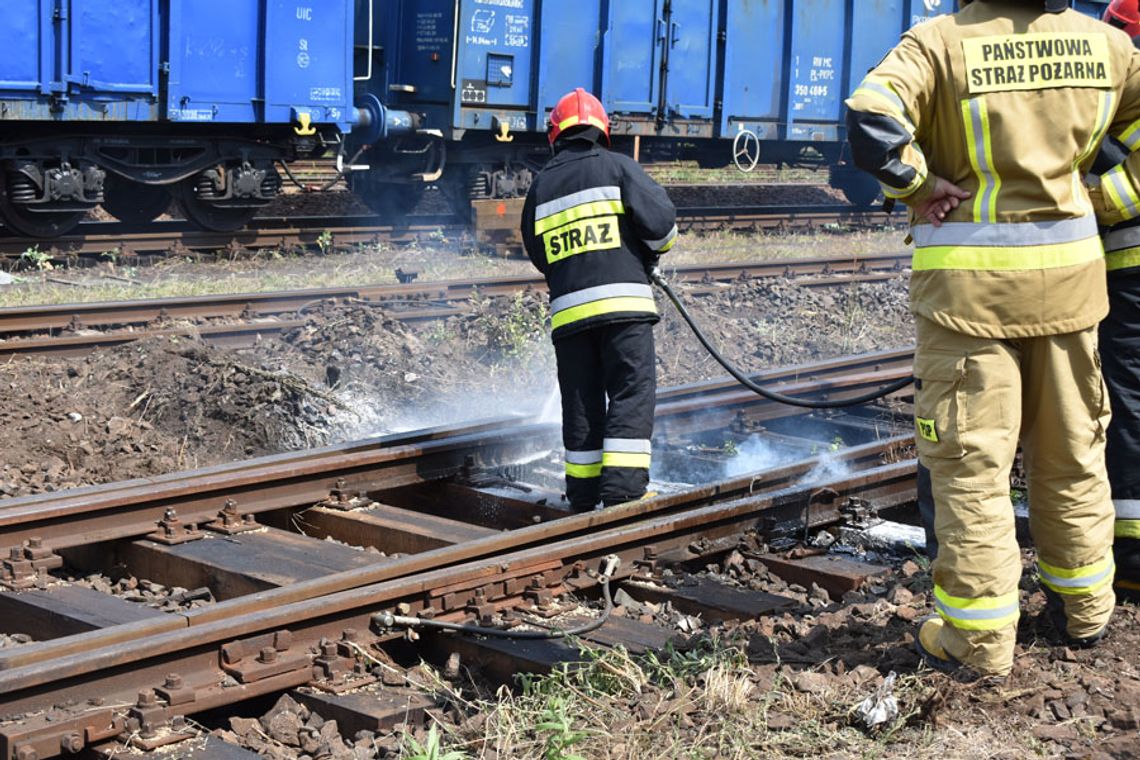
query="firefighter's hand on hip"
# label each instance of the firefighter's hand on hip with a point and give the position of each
(945, 198)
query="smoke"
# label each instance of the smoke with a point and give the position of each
(367, 416)
(753, 455)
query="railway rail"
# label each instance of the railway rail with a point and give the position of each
(97, 239)
(68, 330)
(467, 517)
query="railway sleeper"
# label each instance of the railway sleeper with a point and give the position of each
(306, 654)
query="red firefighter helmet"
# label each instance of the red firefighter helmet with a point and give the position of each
(575, 109)
(1124, 14)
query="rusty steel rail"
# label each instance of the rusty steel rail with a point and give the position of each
(132, 508)
(315, 629)
(21, 327)
(18, 319)
(94, 239)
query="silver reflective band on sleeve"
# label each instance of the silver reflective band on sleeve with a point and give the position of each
(1131, 136)
(1119, 185)
(1127, 509)
(583, 457)
(586, 295)
(1011, 234)
(657, 245)
(550, 208)
(628, 445)
(886, 92)
(1118, 240)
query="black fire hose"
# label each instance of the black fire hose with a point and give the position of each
(655, 275)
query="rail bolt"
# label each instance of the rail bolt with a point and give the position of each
(27, 753)
(267, 655)
(35, 542)
(71, 743)
(173, 681)
(147, 698)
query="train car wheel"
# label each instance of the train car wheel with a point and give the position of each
(134, 202)
(209, 215)
(39, 224)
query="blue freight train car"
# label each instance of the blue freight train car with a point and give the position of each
(127, 102)
(714, 80)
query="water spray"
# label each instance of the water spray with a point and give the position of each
(659, 280)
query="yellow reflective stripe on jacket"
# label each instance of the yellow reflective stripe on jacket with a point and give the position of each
(994, 259)
(980, 146)
(637, 304)
(1104, 109)
(987, 613)
(584, 470)
(626, 459)
(1122, 250)
(1131, 136)
(919, 177)
(1127, 518)
(1127, 529)
(881, 91)
(1120, 192)
(582, 211)
(1077, 580)
(602, 299)
(1124, 259)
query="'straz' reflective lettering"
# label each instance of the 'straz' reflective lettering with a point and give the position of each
(597, 234)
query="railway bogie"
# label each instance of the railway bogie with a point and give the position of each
(128, 102)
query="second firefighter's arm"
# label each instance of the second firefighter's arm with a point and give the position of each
(885, 113)
(1117, 198)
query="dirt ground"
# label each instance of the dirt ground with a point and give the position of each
(351, 371)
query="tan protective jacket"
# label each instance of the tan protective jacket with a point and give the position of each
(1011, 104)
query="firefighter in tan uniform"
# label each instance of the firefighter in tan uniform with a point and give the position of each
(983, 122)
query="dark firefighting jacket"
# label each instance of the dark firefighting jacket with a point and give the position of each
(592, 222)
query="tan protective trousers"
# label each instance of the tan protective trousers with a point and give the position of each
(974, 399)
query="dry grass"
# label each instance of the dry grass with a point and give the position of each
(269, 271)
(709, 702)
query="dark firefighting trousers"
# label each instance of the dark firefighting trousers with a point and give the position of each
(607, 444)
(1120, 358)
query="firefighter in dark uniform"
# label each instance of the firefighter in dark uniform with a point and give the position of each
(1120, 349)
(593, 224)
